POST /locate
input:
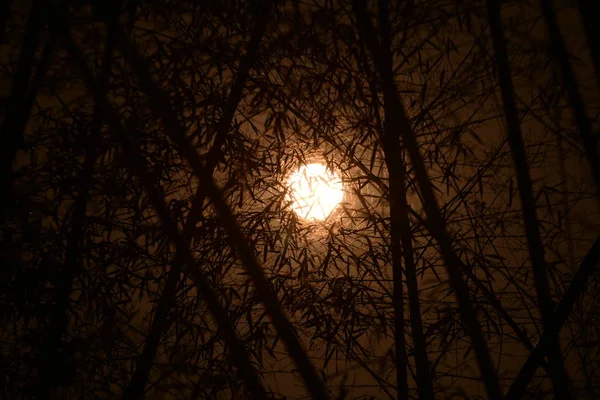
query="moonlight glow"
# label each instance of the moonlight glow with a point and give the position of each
(314, 191)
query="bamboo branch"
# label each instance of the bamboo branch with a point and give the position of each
(160, 322)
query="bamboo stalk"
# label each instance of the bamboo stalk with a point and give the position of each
(160, 323)
(59, 318)
(436, 222)
(38, 80)
(11, 133)
(4, 14)
(558, 375)
(589, 12)
(559, 50)
(265, 292)
(401, 234)
(238, 355)
(392, 150)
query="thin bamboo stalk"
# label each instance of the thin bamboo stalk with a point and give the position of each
(401, 234)
(11, 133)
(392, 150)
(38, 79)
(239, 355)
(569, 82)
(4, 15)
(436, 222)
(160, 322)
(59, 318)
(590, 12)
(558, 375)
(265, 292)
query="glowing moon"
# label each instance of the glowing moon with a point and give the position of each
(314, 191)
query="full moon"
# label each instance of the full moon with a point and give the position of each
(314, 191)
